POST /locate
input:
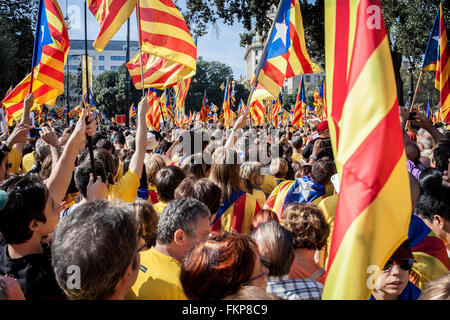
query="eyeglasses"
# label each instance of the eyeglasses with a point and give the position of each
(406, 264)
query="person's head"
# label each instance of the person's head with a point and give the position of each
(275, 244)
(322, 129)
(183, 223)
(153, 163)
(147, 222)
(82, 176)
(307, 224)
(441, 154)
(279, 168)
(198, 165)
(303, 171)
(393, 279)
(322, 170)
(167, 180)
(297, 142)
(110, 163)
(225, 171)
(434, 209)
(105, 144)
(165, 145)
(119, 140)
(98, 135)
(251, 174)
(252, 293)
(220, 265)
(438, 289)
(28, 209)
(203, 190)
(42, 151)
(430, 181)
(99, 240)
(4, 166)
(10, 289)
(412, 151)
(263, 215)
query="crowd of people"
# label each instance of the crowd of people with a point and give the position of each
(200, 212)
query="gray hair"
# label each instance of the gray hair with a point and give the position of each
(427, 141)
(184, 214)
(99, 239)
(276, 245)
(42, 150)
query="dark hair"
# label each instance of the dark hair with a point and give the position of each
(322, 170)
(165, 145)
(98, 135)
(430, 205)
(27, 197)
(167, 180)
(430, 181)
(181, 214)
(99, 238)
(197, 164)
(263, 215)
(218, 267)
(202, 189)
(110, 163)
(297, 141)
(157, 135)
(104, 144)
(120, 138)
(147, 222)
(82, 175)
(441, 154)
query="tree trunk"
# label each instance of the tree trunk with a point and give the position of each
(397, 62)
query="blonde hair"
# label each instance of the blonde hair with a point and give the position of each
(153, 163)
(251, 173)
(225, 171)
(438, 289)
(279, 167)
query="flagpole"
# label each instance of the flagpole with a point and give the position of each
(417, 89)
(88, 138)
(127, 78)
(35, 46)
(138, 16)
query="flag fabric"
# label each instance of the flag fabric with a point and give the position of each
(181, 90)
(300, 107)
(428, 114)
(257, 113)
(49, 55)
(363, 118)
(153, 117)
(286, 54)
(132, 111)
(169, 53)
(205, 109)
(111, 14)
(226, 107)
(437, 57)
(319, 102)
(236, 213)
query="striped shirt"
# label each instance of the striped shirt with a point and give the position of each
(294, 289)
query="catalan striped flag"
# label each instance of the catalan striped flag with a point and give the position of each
(226, 107)
(132, 111)
(236, 213)
(286, 54)
(153, 117)
(166, 105)
(300, 107)
(169, 52)
(51, 47)
(181, 90)
(318, 101)
(363, 117)
(111, 14)
(437, 57)
(257, 113)
(205, 109)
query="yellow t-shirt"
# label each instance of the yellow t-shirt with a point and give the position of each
(28, 162)
(260, 196)
(158, 278)
(297, 157)
(269, 184)
(126, 188)
(159, 206)
(15, 159)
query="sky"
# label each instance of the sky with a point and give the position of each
(220, 44)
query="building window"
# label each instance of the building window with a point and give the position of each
(307, 78)
(101, 67)
(118, 58)
(114, 67)
(101, 58)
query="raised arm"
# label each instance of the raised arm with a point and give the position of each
(137, 160)
(59, 179)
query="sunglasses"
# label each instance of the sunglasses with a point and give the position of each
(406, 264)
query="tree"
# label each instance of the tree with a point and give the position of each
(408, 25)
(210, 75)
(17, 23)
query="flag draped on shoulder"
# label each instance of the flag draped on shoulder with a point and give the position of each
(51, 47)
(286, 53)
(169, 54)
(111, 15)
(437, 58)
(300, 107)
(363, 117)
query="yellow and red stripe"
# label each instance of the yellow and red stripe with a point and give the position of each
(111, 14)
(443, 70)
(363, 118)
(181, 90)
(153, 116)
(299, 110)
(257, 112)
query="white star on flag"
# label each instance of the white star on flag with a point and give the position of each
(281, 32)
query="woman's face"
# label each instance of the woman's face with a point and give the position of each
(392, 281)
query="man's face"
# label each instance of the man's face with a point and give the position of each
(201, 234)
